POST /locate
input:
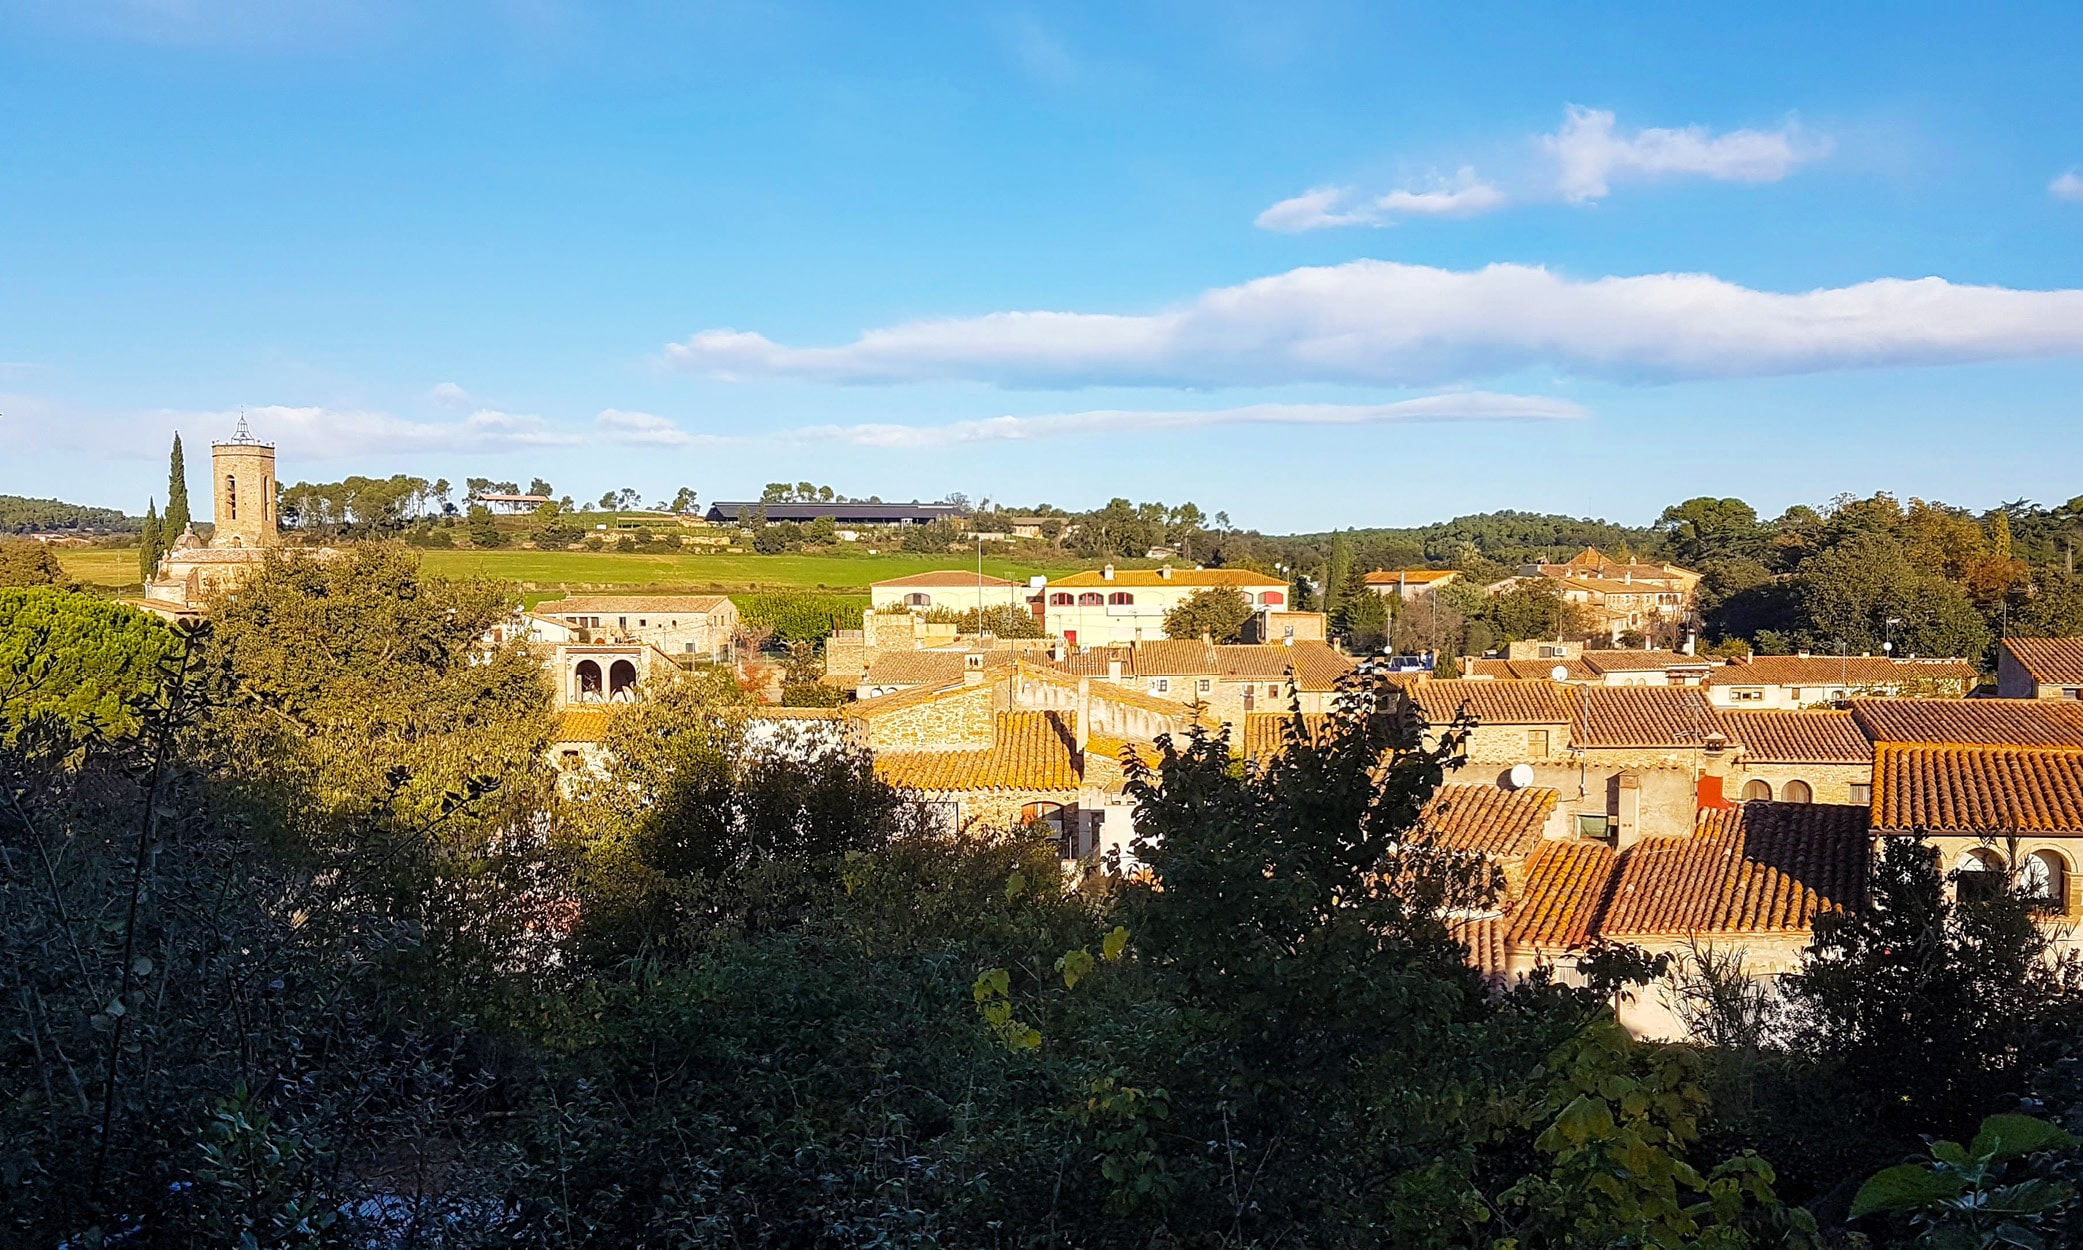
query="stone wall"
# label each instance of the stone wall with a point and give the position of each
(964, 720)
(1832, 783)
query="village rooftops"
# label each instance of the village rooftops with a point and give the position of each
(1486, 819)
(1798, 737)
(1197, 579)
(1987, 791)
(2049, 661)
(1622, 660)
(624, 605)
(957, 578)
(1983, 722)
(1029, 751)
(1758, 869)
(1840, 672)
(1645, 717)
(1493, 702)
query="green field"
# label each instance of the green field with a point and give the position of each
(546, 574)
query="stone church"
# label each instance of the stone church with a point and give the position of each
(242, 476)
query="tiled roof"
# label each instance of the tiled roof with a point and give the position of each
(1265, 734)
(2052, 661)
(1030, 751)
(1989, 722)
(1526, 670)
(1493, 702)
(1486, 819)
(915, 668)
(1643, 716)
(1484, 939)
(1255, 661)
(1840, 671)
(771, 711)
(630, 605)
(1977, 789)
(1759, 868)
(1318, 665)
(916, 696)
(1626, 661)
(1192, 579)
(1616, 586)
(1176, 657)
(1798, 737)
(1116, 748)
(1127, 696)
(1565, 887)
(1412, 577)
(586, 724)
(954, 578)
(1093, 663)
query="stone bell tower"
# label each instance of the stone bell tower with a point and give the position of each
(243, 473)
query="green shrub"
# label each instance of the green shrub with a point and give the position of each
(802, 618)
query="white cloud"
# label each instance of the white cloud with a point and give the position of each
(1465, 196)
(1377, 322)
(449, 395)
(1454, 406)
(318, 433)
(644, 429)
(2068, 186)
(1590, 153)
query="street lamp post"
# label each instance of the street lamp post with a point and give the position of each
(1888, 647)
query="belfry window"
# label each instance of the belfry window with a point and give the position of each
(231, 497)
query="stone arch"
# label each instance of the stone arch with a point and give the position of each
(585, 682)
(1757, 790)
(2043, 877)
(1796, 791)
(1979, 873)
(622, 681)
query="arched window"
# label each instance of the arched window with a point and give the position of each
(1060, 599)
(1756, 791)
(1272, 599)
(1121, 598)
(1979, 874)
(2043, 878)
(231, 497)
(1796, 792)
(1091, 599)
(622, 680)
(587, 676)
(917, 600)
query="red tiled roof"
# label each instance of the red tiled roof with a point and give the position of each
(1988, 722)
(1187, 579)
(1411, 577)
(955, 578)
(1527, 670)
(589, 724)
(1977, 789)
(1093, 662)
(1486, 819)
(1484, 939)
(2050, 661)
(1493, 702)
(1565, 887)
(1265, 734)
(1624, 661)
(1803, 737)
(1030, 751)
(1643, 716)
(1318, 665)
(1176, 657)
(1756, 869)
(922, 668)
(630, 605)
(1948, 678)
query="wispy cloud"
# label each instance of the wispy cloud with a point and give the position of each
(1376, 322)
(1465, 196)
(318, 433)
(644, 429)
(2068, 186)
(449, 395)
(1578, 163)
(1454, 406)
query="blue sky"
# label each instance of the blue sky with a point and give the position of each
(1313, 264)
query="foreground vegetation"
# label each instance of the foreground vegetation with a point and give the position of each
(302, 945)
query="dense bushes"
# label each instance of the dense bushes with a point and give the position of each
(803, 617)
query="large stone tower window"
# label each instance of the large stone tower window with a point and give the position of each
(231, 494)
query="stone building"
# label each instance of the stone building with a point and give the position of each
(242, 477)
(1794, 681)
(684, 625)
(1799, 757)
(1127, 605)
(2040, 668)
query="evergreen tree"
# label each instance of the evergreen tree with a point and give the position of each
(175, 523)
(149, 543)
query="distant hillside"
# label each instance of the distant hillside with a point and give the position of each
(1506, 537)
(19, 515)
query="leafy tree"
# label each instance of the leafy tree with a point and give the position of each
(1218, 612)
(85, 662)
(175, 523)
(933, 538)
(1968, 1196)
(31, 564)
(802, 617)
(1847, 593)
(1706, 528)
(822, 531)
(684, 500)
(537, 486)
(19, 515)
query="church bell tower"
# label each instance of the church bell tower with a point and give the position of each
(243, 473)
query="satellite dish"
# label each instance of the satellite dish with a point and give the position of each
(1560, 672)
(1520, 777)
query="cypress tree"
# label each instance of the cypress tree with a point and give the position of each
(148, 545)
(175, 523)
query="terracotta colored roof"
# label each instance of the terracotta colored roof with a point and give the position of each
(1565, 888)
(1493, 702)
(1030, 751)
(1191, 579)
(1484, 939)
(1093, 663)
(2053, 661)
(916, 668)
(1977, 789)
(1413, 577)
(1775, 737)
(954, 578)
(1115, 748)
(1643, 716)
(630, 605)
(1128, 696)
(1265, 734)
(1624, 661)
(1176, 657)
(771, 711)
(1486, 819)
(1988, 722)
(1616, 586)
(1255, 661)
(1318, 665)
(901, 699)
(588, 724)
(1758, 868)
(1841, 671)
(1526, 670)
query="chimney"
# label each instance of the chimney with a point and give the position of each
(1113, 669)
(1165, 571)
(1207, 639)
(1107, 573)
(1080, 730)
(1058, 652)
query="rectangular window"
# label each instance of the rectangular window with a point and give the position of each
(1591, 825)
(621, 622)
(1749, 696)
(1862, 792)
(1160, 685)
(641, 622)
(1537, 743)
(1204, 685)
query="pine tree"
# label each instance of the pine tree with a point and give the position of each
(148, 546)
(175, 523)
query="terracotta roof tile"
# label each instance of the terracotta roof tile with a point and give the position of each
(954, 578)
(1177, 657)
(2052, 661)
(918, 668)
(1988, 722)
(1191, 579)
(1318, 665)
(1945, 678)
(1483, 937)
(630, 605)
(1265, 734)
(1093, 662)
(1977, 789)
(1030, 751)
(1624, 661)
(588, 724)
(1803, 737)
(1527, 670)
(1493, 702)
(1409, 577)
(1565, 888)
(1759, 868)
(1486, 819)
(1116, 748)
(1643, 716)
